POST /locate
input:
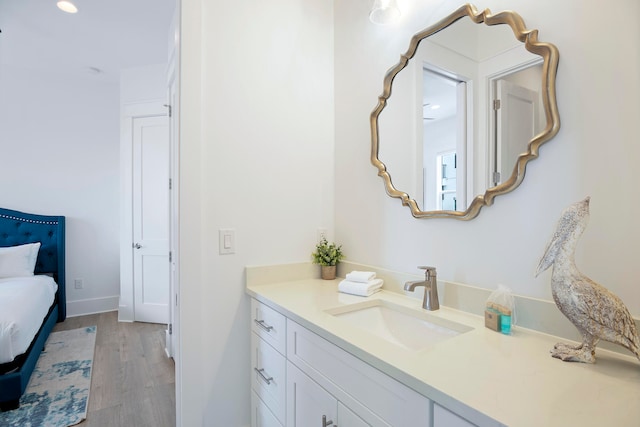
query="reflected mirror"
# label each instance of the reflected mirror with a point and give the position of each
(473, 99)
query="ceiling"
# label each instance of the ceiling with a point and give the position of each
(105, 35)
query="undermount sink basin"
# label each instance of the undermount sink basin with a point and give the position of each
(408, 328)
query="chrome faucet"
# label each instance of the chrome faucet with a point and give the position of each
(430, 301)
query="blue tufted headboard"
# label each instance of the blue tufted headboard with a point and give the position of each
(17, 228)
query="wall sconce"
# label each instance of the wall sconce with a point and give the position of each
(67, 6)
(384, 12)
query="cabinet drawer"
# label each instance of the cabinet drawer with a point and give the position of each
(269, 325)
(261, 416)
(360, 385)
(268, 376)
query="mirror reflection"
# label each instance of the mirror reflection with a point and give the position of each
(464, 110)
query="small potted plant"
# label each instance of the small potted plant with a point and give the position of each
(327, 255)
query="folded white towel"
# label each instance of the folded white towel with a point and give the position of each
(360, 288)
(361, 276)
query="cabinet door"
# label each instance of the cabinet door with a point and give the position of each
(347, 418)
(307, 402)
(261, 416)
(445, 418)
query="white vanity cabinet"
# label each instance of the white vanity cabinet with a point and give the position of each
(472, 380)
(300, 379)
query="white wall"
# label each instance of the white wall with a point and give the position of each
(59, 147)
(257, 156)
(594, 154)
(143, 83)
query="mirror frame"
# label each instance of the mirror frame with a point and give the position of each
(547, 51)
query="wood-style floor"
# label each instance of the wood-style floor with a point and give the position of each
(133, 380)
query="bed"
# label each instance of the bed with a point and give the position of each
(21, 231)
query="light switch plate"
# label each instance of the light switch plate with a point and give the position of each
(227, 241)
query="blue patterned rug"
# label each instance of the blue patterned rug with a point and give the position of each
(58, 392)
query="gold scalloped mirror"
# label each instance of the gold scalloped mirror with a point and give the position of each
(474, 98)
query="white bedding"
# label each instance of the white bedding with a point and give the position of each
(24, 303)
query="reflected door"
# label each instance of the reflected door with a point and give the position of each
(516, 118)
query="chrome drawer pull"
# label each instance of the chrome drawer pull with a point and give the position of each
(262, 325)
(260, 372)
(328, 423)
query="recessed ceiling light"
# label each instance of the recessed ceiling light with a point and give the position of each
(67, 6)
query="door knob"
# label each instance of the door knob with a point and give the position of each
(137, 245)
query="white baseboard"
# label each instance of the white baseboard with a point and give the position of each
(92, 306)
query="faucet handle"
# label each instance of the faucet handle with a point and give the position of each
(428, 271)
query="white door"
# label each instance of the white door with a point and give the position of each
(516, 119)
(151, 267)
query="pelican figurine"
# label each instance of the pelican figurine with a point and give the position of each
(594, 310)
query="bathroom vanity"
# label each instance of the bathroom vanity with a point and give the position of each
(320, 357)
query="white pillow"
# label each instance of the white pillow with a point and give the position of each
(18, 261)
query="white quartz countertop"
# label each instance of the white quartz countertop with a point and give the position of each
(487, 377)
